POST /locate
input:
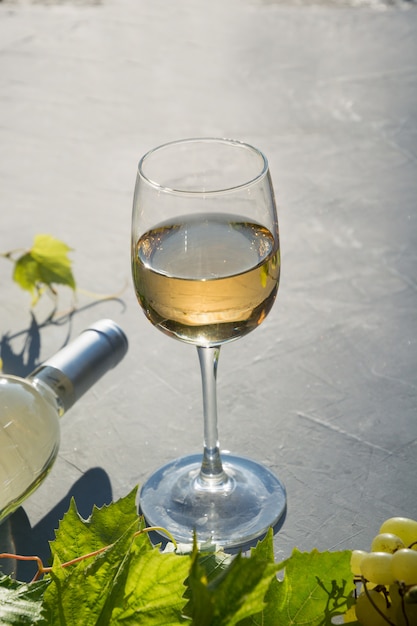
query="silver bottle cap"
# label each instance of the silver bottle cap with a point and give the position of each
(80, 364)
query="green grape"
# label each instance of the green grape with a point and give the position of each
(410, 617)
(404, 566)
(387, 542)
(355, 562)
(403, 527)
(411, 595)
(366, 612)
(377, 568)
(403, 612)
(395, 597)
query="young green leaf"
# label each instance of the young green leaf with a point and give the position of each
(236, 594)
(44, 265)
(76, 536)
(20, 603)
(83, 592)
(127, 582)
(153, 592)
(213, 560)
(265, 549)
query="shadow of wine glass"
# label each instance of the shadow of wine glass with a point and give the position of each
(18, 537)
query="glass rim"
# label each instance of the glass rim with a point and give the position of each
(232, 142)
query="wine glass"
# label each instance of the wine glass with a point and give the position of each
(206, 266)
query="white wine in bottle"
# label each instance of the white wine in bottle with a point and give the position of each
(30, 408)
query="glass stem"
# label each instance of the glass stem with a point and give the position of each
(211, 473)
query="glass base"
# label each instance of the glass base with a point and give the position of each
(231, 513)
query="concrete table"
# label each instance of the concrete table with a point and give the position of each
(324, 392)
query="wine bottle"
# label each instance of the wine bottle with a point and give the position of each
(30, 408)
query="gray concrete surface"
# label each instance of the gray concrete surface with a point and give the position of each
(324, 392)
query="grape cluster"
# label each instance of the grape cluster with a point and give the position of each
(387, 576)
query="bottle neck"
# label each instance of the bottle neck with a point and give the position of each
(56, 382)
(80, 364)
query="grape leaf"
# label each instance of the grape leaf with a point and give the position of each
(76, 536)
(130, 582)
(83, 592)
(20, 603)
(273, 597)
(45, 264)
(233, 596)
(153, 591)
(106, 572)
(317, 587)
(213, 559)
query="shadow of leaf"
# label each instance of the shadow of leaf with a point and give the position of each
(338, 601)
(24, 362)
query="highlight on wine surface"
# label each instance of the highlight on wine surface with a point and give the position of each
(206, 268)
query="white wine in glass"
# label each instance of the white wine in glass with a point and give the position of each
(206, 266)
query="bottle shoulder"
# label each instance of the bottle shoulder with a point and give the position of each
(29, 439)
(20, 397)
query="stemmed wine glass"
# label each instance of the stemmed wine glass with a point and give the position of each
(206, 266)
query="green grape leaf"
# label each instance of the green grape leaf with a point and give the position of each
(273, 597)
(20, 603)
(105, 571)
(76, 536)
(233, 596)
(130, 581)
(153, 590)
(83, 592)
(317, 587)
(44, 265)
(213, 560)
